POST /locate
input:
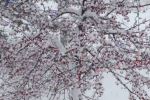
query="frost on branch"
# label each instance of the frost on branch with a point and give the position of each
(64, 53)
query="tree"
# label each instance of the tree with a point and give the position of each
(64, 53)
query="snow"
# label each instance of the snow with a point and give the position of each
(58, 43)
(111, 90)
(49, 4)
(91, 14)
